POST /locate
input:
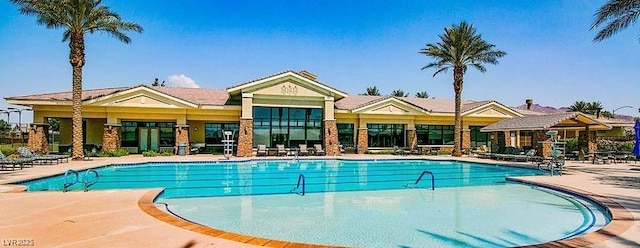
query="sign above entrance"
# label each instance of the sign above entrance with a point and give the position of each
(289, 89)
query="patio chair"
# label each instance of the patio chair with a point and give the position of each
(10, 162)
(280, 151)
(262, 150)
(398, 151)
(303, 150)
(25, 153)
(318, 151)
(434, 150)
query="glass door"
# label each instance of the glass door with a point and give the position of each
(143, 139)
(154, 139)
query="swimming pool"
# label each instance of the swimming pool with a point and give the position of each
(360, 203)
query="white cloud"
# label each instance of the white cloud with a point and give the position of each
(182, 81)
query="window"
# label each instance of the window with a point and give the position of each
(479, 138)
(129, 134)
(434, 134)
(213, 132)
(526, 139)
(167, 134)
(385, 135)
(346, 134)
(288, 126)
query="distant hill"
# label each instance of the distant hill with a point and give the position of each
(551, 110)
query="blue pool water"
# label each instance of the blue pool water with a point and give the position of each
(359, 203)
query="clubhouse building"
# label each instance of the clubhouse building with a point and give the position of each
(290, 108)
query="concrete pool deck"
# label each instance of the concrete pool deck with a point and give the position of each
(115, 218)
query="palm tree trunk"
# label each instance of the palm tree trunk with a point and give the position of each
(76, 58)
(458, 74)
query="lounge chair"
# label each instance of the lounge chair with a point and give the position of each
(398, 151)
(303, 150)
(11, 162)
(318, 151)
(262, 150)
(49, 159)
(341, 149)
(434, 150)
(280, 151)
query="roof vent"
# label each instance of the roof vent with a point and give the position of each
(308, 75)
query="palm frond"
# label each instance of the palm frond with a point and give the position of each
(615, 15)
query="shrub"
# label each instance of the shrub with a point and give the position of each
(150, 153)
(572, 145)
(120, 152)
(8, 151)
(166, 153)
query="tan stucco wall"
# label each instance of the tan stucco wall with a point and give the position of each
(196, 136)
(95, 131)
(65, 131)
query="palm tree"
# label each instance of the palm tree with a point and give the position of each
(372, 91)
(579, 106)
(399, 93)
(422, 94)
(156, 83)
(594, 107)
(77, 17)
(615, 15)
(459, 48)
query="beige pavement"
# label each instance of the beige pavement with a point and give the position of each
(113, 218)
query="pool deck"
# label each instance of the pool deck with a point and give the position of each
(125, 218)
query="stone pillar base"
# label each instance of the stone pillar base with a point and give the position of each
(363, 140)
(182, 136)
(542, 143)
(412, 139)
(245, 138)
(39, 138)
(111, 137)
(331, 138)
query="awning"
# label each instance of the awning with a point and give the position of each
(566, 120)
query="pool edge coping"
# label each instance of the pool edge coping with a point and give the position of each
(621, 221)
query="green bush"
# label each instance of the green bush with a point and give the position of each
(150, 153)
(166, 153)
(120, 152)
(8, 151)
(572, 145)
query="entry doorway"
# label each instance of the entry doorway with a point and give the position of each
(149, 139)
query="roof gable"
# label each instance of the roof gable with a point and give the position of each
(389, 105)
(266, 85)
(488, 109)
(140, 96)
(545, 122)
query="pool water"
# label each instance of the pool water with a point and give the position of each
(363, 203)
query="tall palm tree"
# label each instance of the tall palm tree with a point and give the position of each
(594, 107)
(372, 91)
(422, 94)
(399, 93)
(614, 16)
(77, 17)
(458, 48)
(579, 106)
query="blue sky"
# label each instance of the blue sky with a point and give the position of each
(350, 45)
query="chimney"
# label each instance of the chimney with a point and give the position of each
(529, 102)
(308, 75)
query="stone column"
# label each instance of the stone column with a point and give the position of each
(111, 137)
(331, 138)
(494, 139)
(592, 145)
(412, 139)
(363, 140)
(466, 139)
(507, 138)
(39, 138)
(182, 136)
(542, 143)
(245, 138)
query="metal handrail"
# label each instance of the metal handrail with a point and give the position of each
(300, 179)
(433, 179)
(67, 184)
(88, 183)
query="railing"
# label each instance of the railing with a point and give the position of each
(68, 184)
(433, 179)
(87, 182)
(300, 179)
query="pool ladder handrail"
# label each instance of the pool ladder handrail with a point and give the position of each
(300, 179)
(433, 179)
(86, 181)
(68, 184)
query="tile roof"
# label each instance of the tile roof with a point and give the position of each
(533, 122)
(198, 96)
(428, 104)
